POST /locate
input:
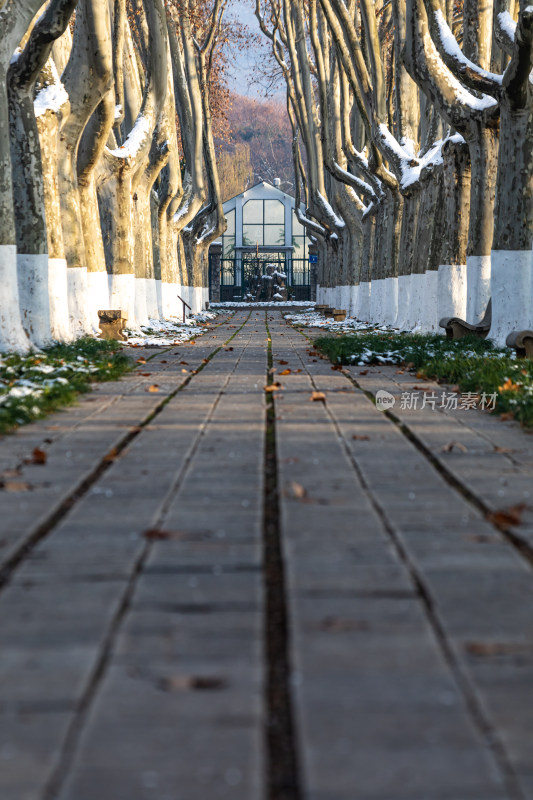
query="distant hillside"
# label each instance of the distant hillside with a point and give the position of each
(264, 128)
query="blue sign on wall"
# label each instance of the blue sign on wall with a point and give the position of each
(313, 259)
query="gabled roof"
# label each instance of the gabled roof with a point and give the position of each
(272, 191)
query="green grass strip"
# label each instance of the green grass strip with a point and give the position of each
(34, 385)
(472, 364)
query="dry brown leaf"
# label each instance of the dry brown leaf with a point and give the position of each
(506, 517)
(494, 648)
(360, 438)
(176, 683)
(111, 456)
(297, 490)
(39, 456)
(506, 416)
(163, 361)
(297, 370)
(318, 397)
(228, 349)
(273, 387)
(281, 361)
(185, 362)
(363, 372)
(400, 372)
(338, 624)
(504, 450)
(153, 388)
(15, 486)
(141, 360)
(158, 534)
(447, 448)
(145, 374)
(285, 372)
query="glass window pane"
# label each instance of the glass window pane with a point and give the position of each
(299, 247)
(274, 211)
(230, 219)
(297, 228)
(275, 234)
(252, 234)
(252, 211)
(228, 243)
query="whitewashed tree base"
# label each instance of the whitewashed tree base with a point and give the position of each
(171, 306)
(150, 292)
(511, 291)
(390, 301)
(353, 304)
(141, 306)
(452, 291)
(12, 335)
(80, 317)
(365, 294)
(478, 287)
(428, 320)
(403, 319)
(34, 300)
(58, 299)
(97, 296)
(376, 301)
(122, 296)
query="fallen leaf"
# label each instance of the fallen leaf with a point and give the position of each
(447, 448)
(176, 683)
(400, 372)
(297, 490)
(339, 624)
(507, 415)
(153, 388)
(360, 438)
(184, 370)
(318, 397)
(111, 456)
(285, 372)
(141, 360)
(507, 516)
(145, 374)
(504, 450)
(185, 362)
(273, 387)
(163, 361)
(337, 368)
(494, 648)
(157, 534)
(297, 370)
(363, 372)
(227, 349)
(15, 486)
(282, 362)
(38, 456)
(508, 386)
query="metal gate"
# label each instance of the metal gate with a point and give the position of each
(254, 276)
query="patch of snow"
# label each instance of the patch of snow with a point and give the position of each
(507, 24)
(135, 140)
(50, 98)
(301, 303)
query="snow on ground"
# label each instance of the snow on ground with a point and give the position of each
(312, 319)
(284, 303)
(170, 332)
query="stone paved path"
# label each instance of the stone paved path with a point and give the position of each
(210, 591)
